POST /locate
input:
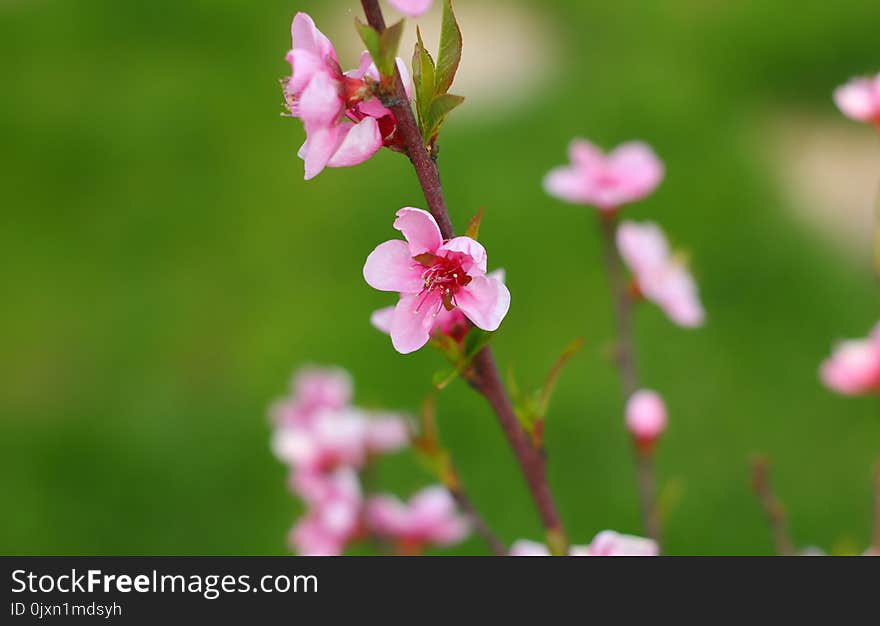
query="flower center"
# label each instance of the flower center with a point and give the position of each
(443, 277)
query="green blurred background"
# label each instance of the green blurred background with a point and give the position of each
(165, 269)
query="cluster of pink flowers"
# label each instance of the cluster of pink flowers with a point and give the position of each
(325, 440)
(606, 543)
(345, 125)
(854, 366)
(658, 274)
(440, 283)
(859, 99)
(608, 182)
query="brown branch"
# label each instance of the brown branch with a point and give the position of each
(624, 357)
(477, 522)
(773, 508)
(487, 380)
(875, 533)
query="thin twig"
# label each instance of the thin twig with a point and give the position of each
(478, 522)
(773, 509)
(487, 380)
(875, 533)
(624, 357)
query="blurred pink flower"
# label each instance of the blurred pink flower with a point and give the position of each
(629, 173)
(606, 543)
(854, 366)
(313, 389)
(333, 516)
(452, 323)
(859, 99)
(429, 517)
(411, 8)
(659, 275)
(645, 417)
(344, 124)
(432, 276)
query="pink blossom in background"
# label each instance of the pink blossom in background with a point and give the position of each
(854, 366)
(606, 543)
(332, 439)
(344, 124)
(627, 174)
(645, 417)
(659, 275)
(411, 8)
(452, 323)
(334, 506)
(859, 99)
(430, 517)
(431, 276)
(313, 389)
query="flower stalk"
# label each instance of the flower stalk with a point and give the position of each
(486, 379)
(625, 359)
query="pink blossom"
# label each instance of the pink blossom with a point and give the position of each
(431, 276)
(335, 438)
(627, 174)
(452, 323)
(659, 275)
(859, 99)
(332, 439)
(332, 519)
(610, 543)
(344, 124)
(606, 543)
(854, 366)
(645, 417)
(411, 8)
(313, 389)
(429, 517)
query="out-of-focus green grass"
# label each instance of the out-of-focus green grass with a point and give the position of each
(165, 268)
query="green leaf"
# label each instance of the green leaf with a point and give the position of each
(473, 228)
(442, 378)
(553, 376)
(370, 36)
(450, 50)
(423, 79)
(389, 42)
(476, 340)
(440, 108)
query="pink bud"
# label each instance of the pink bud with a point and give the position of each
(859, 99)
(646, 417)
(854, 366)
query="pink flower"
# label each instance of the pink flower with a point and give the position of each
(610, 543)
(431, 276)
(859, 99)
(334, 505)
(429, 517)
(629, 173)
(313, 390)
(452, 323)
(606, 543)
(645, 417)
(411, 8)
(344, 124)
(659, 275)
(338, 438)
(854, 366)
(332, 439)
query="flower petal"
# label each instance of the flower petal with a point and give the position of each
(411, 324)
(484, 301)
(381, 319)
(420, 230)
(319, 146)
(566, 184)
(320, 103)
(411, 8)
(306, 36)
(390, 268)
(359, 143)
(474, 262)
